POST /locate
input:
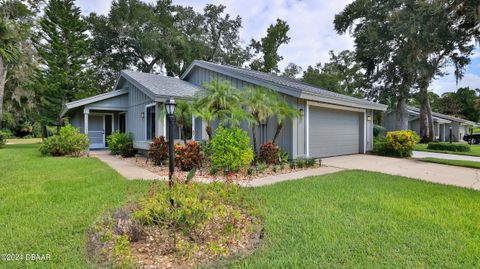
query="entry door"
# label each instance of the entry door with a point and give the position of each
(95, 131)
(108, 127)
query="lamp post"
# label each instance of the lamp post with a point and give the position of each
(170, 108)
(450, 134)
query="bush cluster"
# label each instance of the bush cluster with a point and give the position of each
(269, 153)
(194, 208)
(378, 130)
(396, 144)
(121, 144)
(449, 147)
(188, 156)
(158, 150)
(231, 149)
(68, 142)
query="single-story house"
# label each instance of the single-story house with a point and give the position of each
(332, 123)
(441, 124)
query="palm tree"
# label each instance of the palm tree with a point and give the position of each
(284, 111)
(220, 98)
(260, 103)
(9, 55)
(183, 116)
(206, 115)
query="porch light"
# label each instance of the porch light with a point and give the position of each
(142, 115)
(301, 112)
(369, 118)
(170, 106)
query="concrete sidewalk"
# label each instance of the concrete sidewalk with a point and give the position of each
(426, 154)
(438, 173)
(125, 168)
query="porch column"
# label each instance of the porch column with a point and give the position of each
(85, 121)
(193, 128)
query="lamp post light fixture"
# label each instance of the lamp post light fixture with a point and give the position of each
(170, 108)
(450, 134)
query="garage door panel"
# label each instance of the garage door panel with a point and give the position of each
(333, 132)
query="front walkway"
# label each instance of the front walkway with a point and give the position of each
(438, 173)
(124, 168)
(426, 154)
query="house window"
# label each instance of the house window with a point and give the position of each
(150, 117)
(122, 123)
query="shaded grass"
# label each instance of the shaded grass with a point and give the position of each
(469, 164)
(48, 204)
(474, 150)
(357, 219)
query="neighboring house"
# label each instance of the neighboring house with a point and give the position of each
(442, 124)
(332, 124)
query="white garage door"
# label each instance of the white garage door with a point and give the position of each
(333, 132)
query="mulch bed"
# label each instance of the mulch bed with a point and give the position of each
(203, 175)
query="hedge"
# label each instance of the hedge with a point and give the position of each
(449, 147)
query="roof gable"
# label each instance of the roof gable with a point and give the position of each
(292, 87)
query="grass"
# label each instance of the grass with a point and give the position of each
(469, 164)
(474, 150)
(48, 204)
(347, 219)
(357, 219)
(24, 140)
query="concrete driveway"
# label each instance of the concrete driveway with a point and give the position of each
(438, 173)
(426, 154)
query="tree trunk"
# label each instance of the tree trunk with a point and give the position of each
(209, 131)
(277, 132)
(424, 121)
(44, 131)
(254, 136)
(401, 114)
(3, 78)
(431, 125)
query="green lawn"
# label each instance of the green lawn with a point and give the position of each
(470, 164)
(47, 204)
(474, 150)
(346, 219)
(24, 140)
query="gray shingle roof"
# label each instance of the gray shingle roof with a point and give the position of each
(292, 84)
(162, 86)
(440, 115)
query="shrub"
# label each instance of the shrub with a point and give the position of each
(282, 157)
(127, 149)
(261, 167)
(3, 138)
(188, 156)
(300, 162)
(231, 149)
(115, 140)
(378, 130)
(121, 143)
(449, 147)
(402, 142)
(192, 209)
(396, 144)
(310, 162)
(158, 150)
(68, 142)
(269, 153)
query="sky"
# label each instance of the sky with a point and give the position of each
(311, 31)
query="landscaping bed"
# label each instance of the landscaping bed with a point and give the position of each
(203, 174)
(182, 226)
